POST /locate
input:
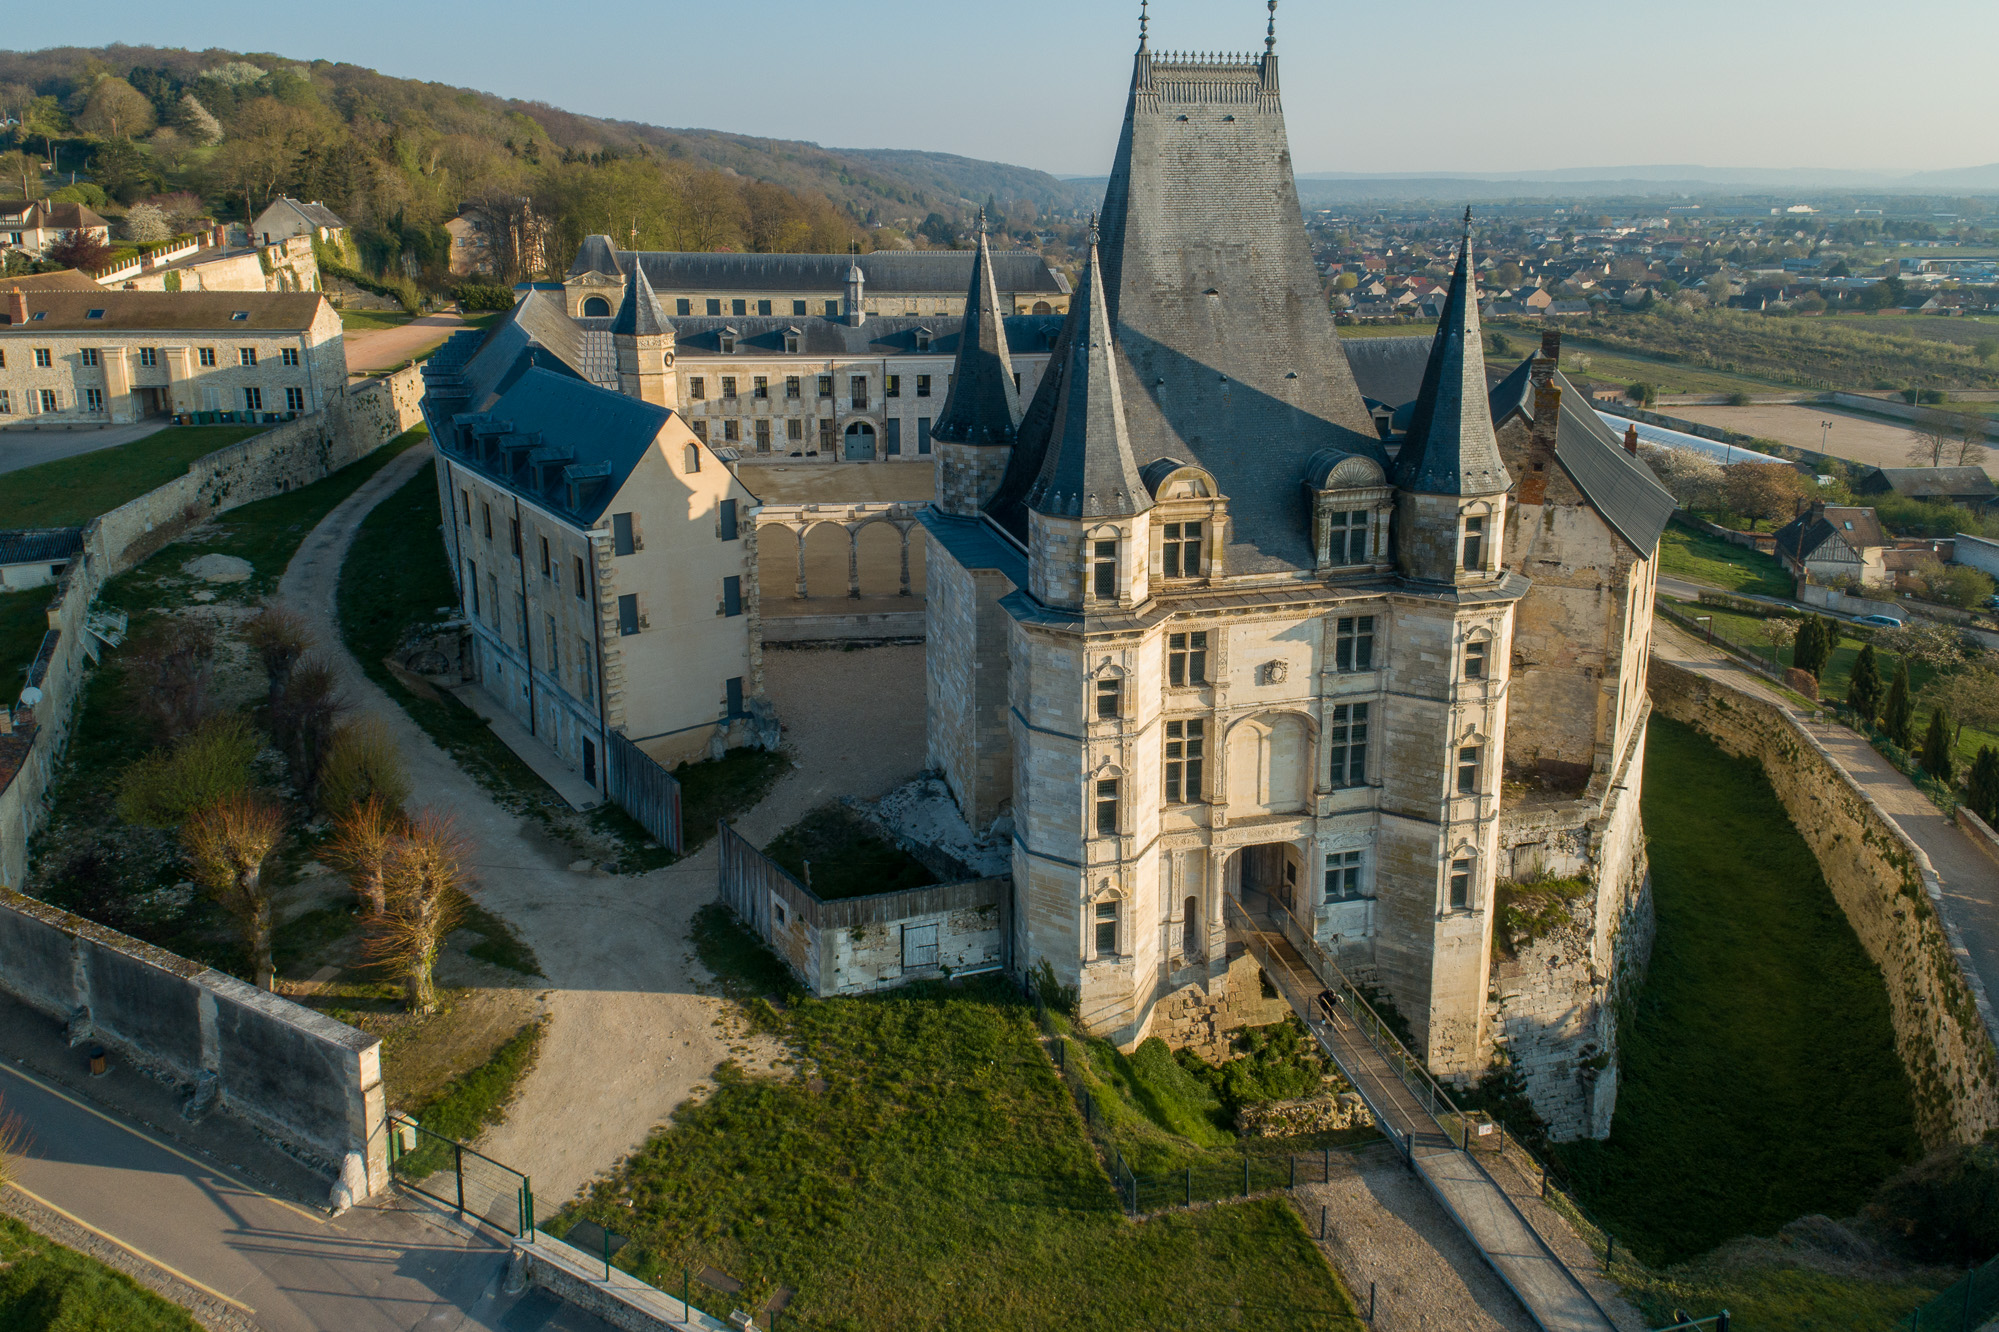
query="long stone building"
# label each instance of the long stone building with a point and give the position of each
(1205, 623)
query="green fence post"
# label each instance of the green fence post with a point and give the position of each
(528, 1184)
(685, 1314)
(458, 1160)
(607, 1251)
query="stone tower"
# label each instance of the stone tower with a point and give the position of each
(644, 341)
(982, 414)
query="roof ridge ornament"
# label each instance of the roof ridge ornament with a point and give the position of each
(1144, 20)
(1270, 30)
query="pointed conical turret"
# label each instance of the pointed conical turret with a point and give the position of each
(1089, 471)
(643, 339)
(1450, 448)
(981, 418)
(640, 314)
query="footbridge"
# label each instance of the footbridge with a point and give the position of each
(1418, 1116)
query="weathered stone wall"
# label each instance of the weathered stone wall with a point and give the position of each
(310, 1084)
(1884, 884)
(1556, 996)
(965, 685)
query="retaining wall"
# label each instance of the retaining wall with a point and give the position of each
(619, 1298)
(312, 1085)
(1902, 411)
(358, 420)
(879, 626)
(1884, 883)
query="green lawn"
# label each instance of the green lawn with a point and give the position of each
(1701, 557)
(922, 1166)
(367, 321)
(1626, 367)
(47, 1288)
(71, 491)
(24, 621)
(1739, 1110)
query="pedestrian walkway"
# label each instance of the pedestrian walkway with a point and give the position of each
(1968, 878)
(1428, 1130)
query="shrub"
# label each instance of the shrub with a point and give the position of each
(1898, 714)
(1939, 760)
(1863, 686)
(1982, 787)
(209, 766)
(167, 666)
(1945, 1208)
(484, 296)
(302, 720)
(361, 761)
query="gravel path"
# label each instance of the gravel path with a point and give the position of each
(631, 1035)
(388, 348)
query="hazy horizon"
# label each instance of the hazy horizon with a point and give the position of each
(1453, 88)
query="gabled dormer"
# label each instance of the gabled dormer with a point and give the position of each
(1352, 501)
(1188, 524)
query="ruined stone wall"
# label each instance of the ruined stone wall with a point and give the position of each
(1884, 884)
(1555, 996)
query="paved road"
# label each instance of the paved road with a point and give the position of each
(30, 448)
(1969, 878)
(273, 1264)
(388, 348)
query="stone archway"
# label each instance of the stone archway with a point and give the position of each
(1274, 870)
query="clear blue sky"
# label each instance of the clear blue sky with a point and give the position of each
(1435, 85)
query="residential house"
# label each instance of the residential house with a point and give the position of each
(33, 227)
(1968, 487)
(1834, 543)
(73, 357)
(286, 217)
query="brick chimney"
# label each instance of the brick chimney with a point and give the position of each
(1631, 438)
(17, 306)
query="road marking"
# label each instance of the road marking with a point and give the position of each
(208, 1166)
(141, 1254)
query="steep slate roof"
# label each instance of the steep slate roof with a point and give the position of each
(1620, 487)
(1388, 370)
(41, 545)
(916, 272)
(289, 311)
(1088, 470)
(316, 214)
(473, 366)
(983, 406)
(1450, 448)
(553, 426)
(639, 314)
(1226, 352)
(1808, 534)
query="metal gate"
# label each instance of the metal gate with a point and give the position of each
(447, 1171)
(644, 790)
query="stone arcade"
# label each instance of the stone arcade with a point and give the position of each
(1200, 629)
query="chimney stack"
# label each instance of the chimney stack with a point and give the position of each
(1551, 344)
(17, 306)
(1631, 438)
(1533, 487)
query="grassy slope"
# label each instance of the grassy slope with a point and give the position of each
(941, 1178)
(1702, 558)
(47, 1288)
(1760, 1077)
(71, 491)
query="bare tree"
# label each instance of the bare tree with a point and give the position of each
(228, 844)
(167, 669)
(17, 167)
(304, 717)
(423, 883)
(1969, 697)
(1933, 438)
(363, 838)
(280, 638)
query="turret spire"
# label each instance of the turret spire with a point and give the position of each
(1450, 448)
(1089, 471)
(983, 406)
(640, 314)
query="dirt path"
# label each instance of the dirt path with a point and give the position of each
(630, 1033)
(1857, 438)
(388, 348)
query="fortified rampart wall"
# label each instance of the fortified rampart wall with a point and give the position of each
(1890, 894)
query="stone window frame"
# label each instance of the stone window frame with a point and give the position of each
(1471, 738)
(1205, 505)
(1118, 918)
(1486, 638)
(1107, 771)
(1491, 514)
(1349, 485)
(1463, 853)
(1120, 569)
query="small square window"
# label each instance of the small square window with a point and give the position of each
(798, 307)
(207, 355)
(683, 307)
(288, 356)
(90, 356)
(1110, 695)
(714, 306)
(246, 355)
(93, 314)
(240, 316)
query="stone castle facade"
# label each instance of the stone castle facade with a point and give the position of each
(1201, 633)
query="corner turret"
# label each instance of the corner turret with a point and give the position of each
(981, 418)
(644, 341)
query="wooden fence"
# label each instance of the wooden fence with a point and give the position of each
(644, 790)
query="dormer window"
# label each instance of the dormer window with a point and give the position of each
(791, 344)
(923, 339)
(1180, 548)
(728, 342)
(1347, 543)
(93, 314)
(240, 315)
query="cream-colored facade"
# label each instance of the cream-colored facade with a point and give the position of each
(117, 356)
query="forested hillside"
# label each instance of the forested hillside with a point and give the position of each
(397, 158)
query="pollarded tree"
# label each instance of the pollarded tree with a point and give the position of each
(227, 844)
(1938, 760)
(423, 882)
(1898, 714)
(280, 638)
(363, 838)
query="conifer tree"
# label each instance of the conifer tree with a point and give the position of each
(1863, 688)
(1938, 761)
(1982, 792)
(1898, 714)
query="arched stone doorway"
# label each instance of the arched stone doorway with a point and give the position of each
(860, 442)
(1269, 870)
(596, 307)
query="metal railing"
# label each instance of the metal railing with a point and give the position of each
(447, 1171)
